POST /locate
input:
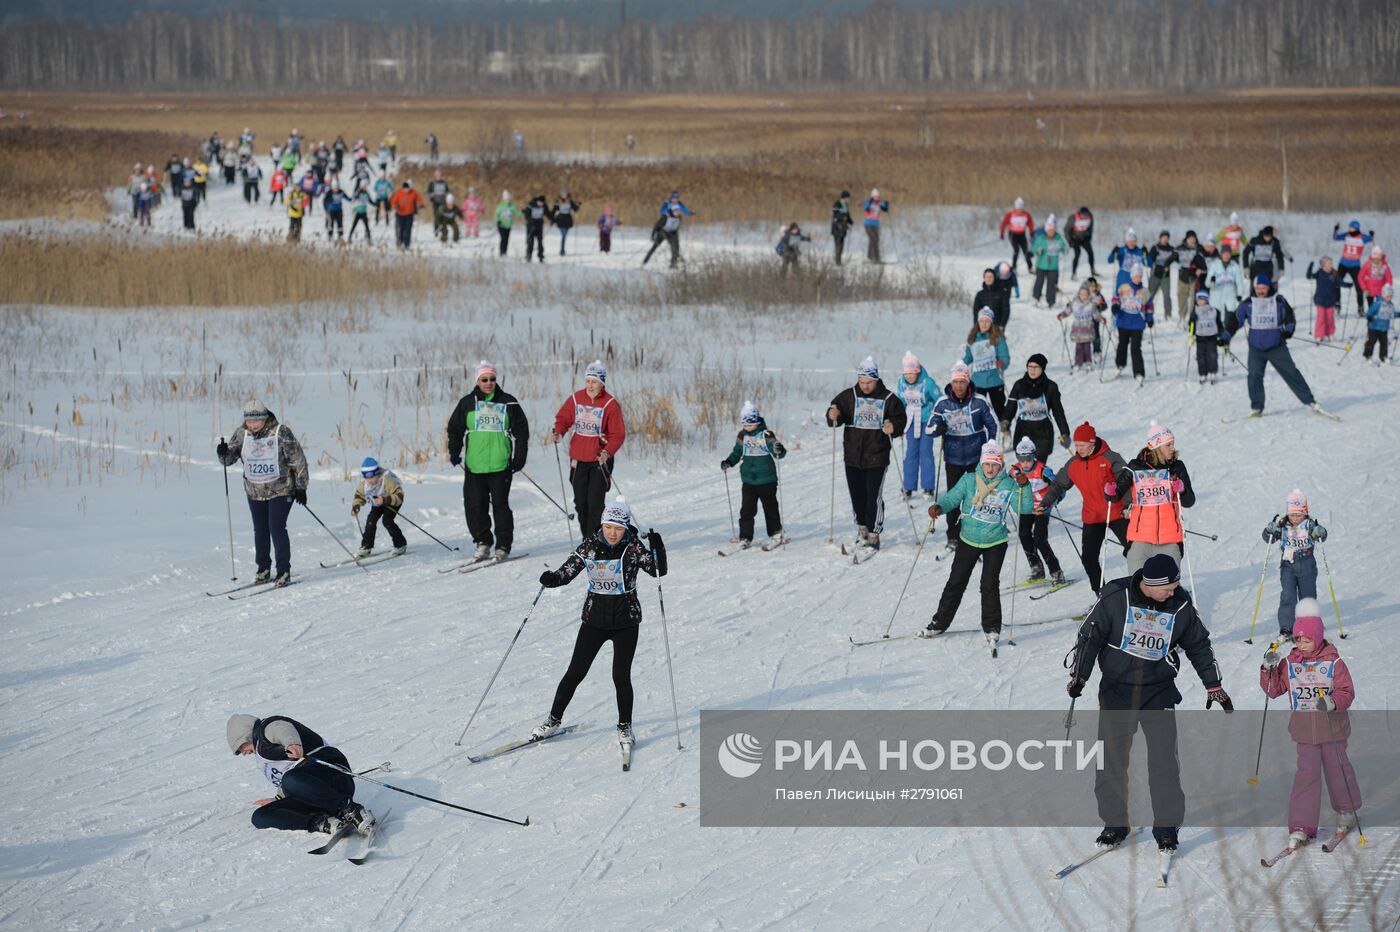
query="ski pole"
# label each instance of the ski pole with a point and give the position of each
(549, 498)
(559, 464)
(1259, 598)
(334, 538)
(384, 767)
(1064, 340)
(1152, 342)
(1065, 527)
(492, 681)
(1069, 716)
(1080, 527)
(666, 640)
(1186, 554)
(1316, 343)
(1351, 792)
(831, 526)
(1254, 780)
(777, 474)
(917, 553)
(399, 789)
(729, 499)
(228, 510)
(1333, 590)
(899, 465)
(400, 514)
(1186, 371)
(1345, 354)
(1231, 353)
(1015, 567)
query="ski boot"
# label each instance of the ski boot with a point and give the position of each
(364, 552)
(1111, 837)
(359, 817)
(934, 628)
(545, 729)
(1166, 838)
(500, 554)
(624, 735)
(1297, 839)
(1139, 379)
(283, 580)
(1057, 578)
(1037, 573)
(400, 550)
(263, 576)
(323, 823)
(483, 551)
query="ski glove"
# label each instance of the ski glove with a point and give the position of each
(1326, 703)
(1218, 695)
(1064, 441)
(724, 465)
(456, 461)
(1075, 688)
(1272, 657)
(1110, 489)
(221, 449)
(549, 579)
(658, 549)
(1022, 479)
(934, 511)
(1223, 341)
(355, 510)
(299, 496)
(1178, 486)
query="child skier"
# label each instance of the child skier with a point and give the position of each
(1296, 532)
(987, 353)
(757, 451)
(384, 493)
(1083, 328)
(920, 393)
(984, 496)
(447, 218)
(1205, 330)
(612, 557)
(471, 214)
(1033, 527)
(1378, 316)
(607, 222)
(1326, 296)
(790, 246)
(1101, 304)
(1374, 276)
(1320, 690)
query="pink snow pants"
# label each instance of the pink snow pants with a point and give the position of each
(1316, 761)
(471, 224)
(1326, 323)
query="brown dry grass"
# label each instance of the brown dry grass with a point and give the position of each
(54, 171)
(741, 157)
(209, 272)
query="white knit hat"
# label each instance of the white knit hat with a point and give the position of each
(617, 513)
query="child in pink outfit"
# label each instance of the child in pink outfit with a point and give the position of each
(1374, 276)
(1319, 688)
(471, 214)
(607, 222)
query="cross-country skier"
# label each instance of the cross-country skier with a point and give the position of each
(1224, 278)
(1354, 244)
(1320, 691)
(1378, 318)
(1295, 531)
(274, 479)
(1081, 236)
(841, 223)
(1374, 276)
(1160, 487)
(1033, 525)
(1159, 259)
(1205, 324)
(1129, 255)
(1231, 236)
(1085, 319)
(995, 295)
(506, 213)
(872, 415)
(1133, 633)
(1264, 256)
(965, 421)
(1271, 323)
(488, 430)
(1091, 470)
(563, 216)
(1326, 298)
(1132, 315)
(1019, 223)
(310, 796)
(611, 555)
(984, 496)
(608, 221)
(873, 207)
(383, 492)
(599, 431)
(920, 393)
(1189, 268)
(988, 354)
(1037, 400)
(756, 452)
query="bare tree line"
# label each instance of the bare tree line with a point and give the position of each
(1173, 45)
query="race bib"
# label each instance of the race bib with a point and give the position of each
(1032, 409)
(869, 413)
(1147, 633)
(1352, 249)
(913, 395)
(984, 356)
(260, 463)
(1297, 541)
(1263, 314)
(1081, 223)
(1151, 487)
(1309, 682)
(605, 577)
(491, 417)
(588, 421)
(1184, 256)
(275, 770)
(1018, 223)
(374, 488)
(992, 509)
(1130, 305)
(959, 422)
(755, 445)
(1206, 324)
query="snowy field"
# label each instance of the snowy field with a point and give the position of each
(118, 672)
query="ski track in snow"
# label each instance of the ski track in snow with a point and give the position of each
(118, 673)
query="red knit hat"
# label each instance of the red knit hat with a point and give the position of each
(1084, 433)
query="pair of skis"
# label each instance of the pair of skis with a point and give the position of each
(625, 748)
(924, 635)
(378, 556)
(767, 546)
(356, 854)
(1256, 415)
(250, 589)
(1328, 846)
(481, 562)
(1164, 860)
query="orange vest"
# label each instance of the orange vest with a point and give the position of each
(1156, 511)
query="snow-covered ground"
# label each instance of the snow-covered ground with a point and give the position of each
(118, 672)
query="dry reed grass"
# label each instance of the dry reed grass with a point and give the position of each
(52, 171)
(216, 271)
(746, 158)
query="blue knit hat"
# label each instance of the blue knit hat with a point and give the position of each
(867, 368)
(370, 467)
(596, 370)
(1263, 280)
(748, 414)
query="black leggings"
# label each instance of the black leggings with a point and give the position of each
(1130, 340)
(1035, 541)
(1093, 543)
(1354, 273)
(591, 640)
(996, 397)
(964, 560)
(867, 502)
(1088, 247)
(1020, 246)
(1376, 338)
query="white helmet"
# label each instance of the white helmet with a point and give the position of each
(1018, 203)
